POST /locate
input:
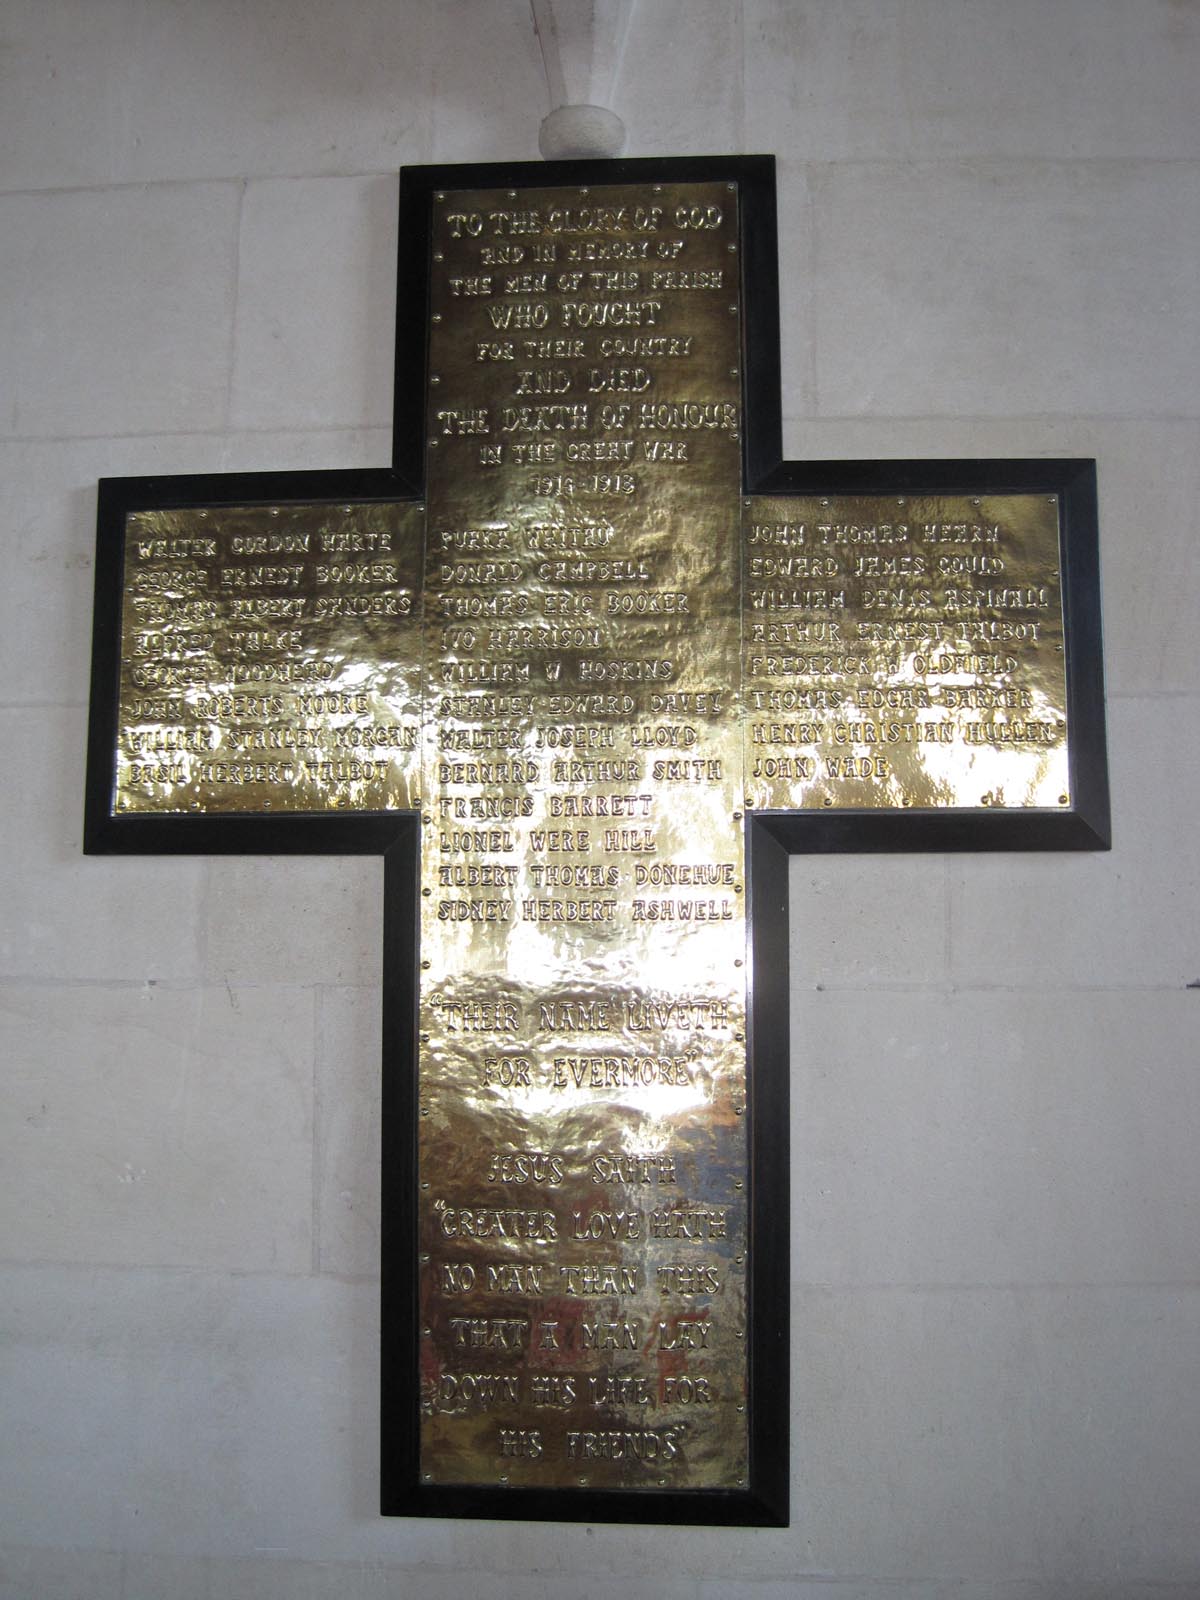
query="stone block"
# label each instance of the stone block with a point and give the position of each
(487, 83)
(316, 304)
(118, 309)
(101, 91)
(997, 288)
(349, 1084)
(701, 113)
(994, 1137)
(29, 1570)
(859, 80)
(295, 920)
(152, 1125)
(1040, 1435)
(858, 921)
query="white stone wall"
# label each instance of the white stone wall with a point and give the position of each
(990, 233)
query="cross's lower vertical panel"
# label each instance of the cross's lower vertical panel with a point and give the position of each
(583, 1169)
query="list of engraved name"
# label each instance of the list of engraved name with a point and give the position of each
(582, 1085)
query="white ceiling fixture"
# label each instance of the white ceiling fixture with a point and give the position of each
(582, 42)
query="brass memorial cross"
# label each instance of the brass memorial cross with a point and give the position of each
(586, 665)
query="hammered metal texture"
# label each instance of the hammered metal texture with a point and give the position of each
(904, 652)
(583, 1157)
(270, 659)
(582, 662)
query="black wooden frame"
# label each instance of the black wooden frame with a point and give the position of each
(770, 836)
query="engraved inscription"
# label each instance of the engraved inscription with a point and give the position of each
(904, 652)
(583, 862)
(270, 659)
(581, 664)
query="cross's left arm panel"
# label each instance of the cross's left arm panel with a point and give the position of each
(256, 663)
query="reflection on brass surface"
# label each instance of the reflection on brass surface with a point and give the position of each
(904, 652)
(269, 659)
(581, 661)
(583, 1158)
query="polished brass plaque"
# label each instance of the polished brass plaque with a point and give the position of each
(587, 697)
(583, 660)
(270, 659)
(904, 652)
(583, 1162)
